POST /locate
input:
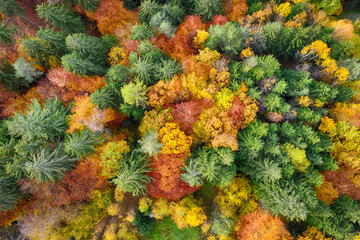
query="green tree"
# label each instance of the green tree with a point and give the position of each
(147, 9)
(134, 93)
(329, 6)
(149, 144)
(7, 76)
(48, 165)
(87, 5)
(192, 174)
(228, 38)
(131, 174)
(61, 16)
(25, 70)
(54, 40)
(221, 225)
(76, 64)
(10, 192)
(141, 32)
(207, 8)
(48, 122)
(7, 32)
(81, 144)
(12, 8)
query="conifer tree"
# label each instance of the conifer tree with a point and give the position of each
(10, 192)
(54, 40)
(12, 8)
(207, 8)
(81, 144)
(7, 32)
(61, 16)
(76, 64)
(25, 70)
(131, 174)
(7, 76)
(87, 5)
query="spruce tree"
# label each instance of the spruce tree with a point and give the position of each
(61, 16)
(11, 8)
(54, 40)
(6, 33)
(207, 8)
(25, 70)
(87, 5)
(76, 64)
(10, 192)
(7, 76)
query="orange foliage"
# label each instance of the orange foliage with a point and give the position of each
(112, 17)
(219, 20)
(190, 64)
(344, 30)
(72, 84)
(89, 115)
(349, 112)
(181, 44)
(312, 233)
(260, 225)
(343, 181)
(166, 173)
(163, 93)
(326, 192)
(8, 217)
(236, 9)
(42, 91)
(75, 186)
(186, 114)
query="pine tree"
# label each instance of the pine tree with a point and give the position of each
(55, 40)
(10, 192)
(131, 174)
(48, 122)
(7, 76)
(61, 16)
(167, 69)
(7, 32)
(87, 5)
(82, 144)
(228, 38)
(76, 64)
(25, 70)
(149, 144)
(48, 165)
(104, 98)
(141, 32)
(207, 8)
(147, 9)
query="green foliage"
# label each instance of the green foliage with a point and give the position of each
(147, 9)
(353, 65)
(25, 70)
(221, 225)
(61, 16)
(207, 9)
(296, 9)
(82, 144)
(166, 229)
(117, 73)
(149, 144)
(134, 93)
(7, 32)
(167, 69)
(76, 64)
(48, 122)
(11, 8)
(104, 98)
(132, 111)
(214, 165)
(228, 38)
(48, 165)
(144, 223)
(7, 76)
(141, 32)
(54, 40)
(328, 6)
(131, 174)
(338, 220)
(10, 192)
(131, 4)
(88, 5)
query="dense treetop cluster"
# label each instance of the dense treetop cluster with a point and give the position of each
(179, 119)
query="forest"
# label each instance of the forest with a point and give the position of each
(179, 120)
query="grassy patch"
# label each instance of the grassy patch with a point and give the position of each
(167, 230)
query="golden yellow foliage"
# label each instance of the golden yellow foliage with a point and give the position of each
(154, 120)
(304, 101)
(111, 156)
(312, 233)
(144, 204)
(200, 38)
(326, 192)
(344, 30)
(297, 156)
(175, 141)
(283, 9)
(116, 55)
(246, 52)
(237, 199)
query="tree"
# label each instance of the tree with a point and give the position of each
(82, 144)
(25, 70)
(54, 40)
(134, 93)
(141, 32)
(149, 144)
(48, 165)
(207, 8)
(7, 76)
(48, 122)
(7, 32)
(75, 63)
(131, 174)
(228, 38)
(12, 8)
(87, 5)
(61, 16)
(10, 192)
(261, 225)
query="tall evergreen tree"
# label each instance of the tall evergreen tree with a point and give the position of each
(87, 5)
(12, 8)
(6, 33)
(61, 16)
